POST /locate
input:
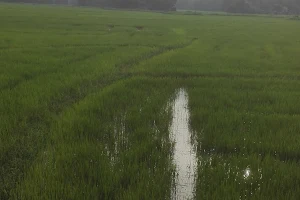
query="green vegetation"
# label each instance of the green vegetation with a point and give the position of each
(85, 103)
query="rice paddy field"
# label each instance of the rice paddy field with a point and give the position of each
(98, 104)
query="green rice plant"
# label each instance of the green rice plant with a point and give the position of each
(114, 144)
(85, 103)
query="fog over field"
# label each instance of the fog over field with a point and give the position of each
(282, 7)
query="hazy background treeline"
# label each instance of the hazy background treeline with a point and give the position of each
(234, 6)
(243, 6)
(131, 4)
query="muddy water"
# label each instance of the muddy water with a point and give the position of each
(185, 158)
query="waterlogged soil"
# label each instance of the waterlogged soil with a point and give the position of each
(190, 168)
(185, 158)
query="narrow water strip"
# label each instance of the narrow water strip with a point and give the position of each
(185, 158)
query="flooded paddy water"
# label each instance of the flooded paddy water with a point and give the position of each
(195, 172)
(167, 144)
(185, 158)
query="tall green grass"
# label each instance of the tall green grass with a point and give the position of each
(112, 145)
(85, 92)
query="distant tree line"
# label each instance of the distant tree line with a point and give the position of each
(263, 6)
(243, 6)
(233, 6)
(128, 4)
